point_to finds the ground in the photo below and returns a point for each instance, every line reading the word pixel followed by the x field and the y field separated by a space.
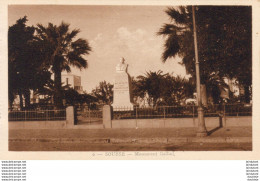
pixel 46 146
pixel 159 139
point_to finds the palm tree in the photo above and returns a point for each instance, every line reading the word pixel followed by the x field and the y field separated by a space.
pixel 163 89
pixel 179 41
pixel 151 83
pixel 61 51
pixel 178 33
pixel 221 44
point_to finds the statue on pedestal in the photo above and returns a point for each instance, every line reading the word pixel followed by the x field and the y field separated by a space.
pixel 121 67
pixel 122 88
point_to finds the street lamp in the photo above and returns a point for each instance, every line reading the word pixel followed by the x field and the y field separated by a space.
pixel 201 132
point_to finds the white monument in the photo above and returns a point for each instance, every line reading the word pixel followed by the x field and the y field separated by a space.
pixel 122 99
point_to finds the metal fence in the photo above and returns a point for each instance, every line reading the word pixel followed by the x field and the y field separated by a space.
pixel 37 115
pixel 181 111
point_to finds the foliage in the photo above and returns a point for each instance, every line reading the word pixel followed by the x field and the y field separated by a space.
pixel 176 90
pixel 162 89
pixel 33 52
pixel 73 98
pixel 224 42
pixel 151 83
pixel 60 51
pixel 103 93
pixel 24 63
pixel 68 94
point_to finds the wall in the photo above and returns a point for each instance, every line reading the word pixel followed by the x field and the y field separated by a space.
pixel 181 122
pixel 37 124
pixel 133 123
pixel 77 80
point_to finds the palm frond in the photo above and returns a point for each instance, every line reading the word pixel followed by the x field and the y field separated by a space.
pixel 171 47
pixel 77 60
pixel 71 35
pixel 177 15
pixel 67 68
pixel 80 46
pixel 168 29
pixel 63 28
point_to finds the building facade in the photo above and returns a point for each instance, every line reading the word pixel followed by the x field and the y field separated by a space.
pixel 72 81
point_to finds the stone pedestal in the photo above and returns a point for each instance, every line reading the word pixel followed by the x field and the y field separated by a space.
pixel 107 117
pixel 70 116
pixel 122 92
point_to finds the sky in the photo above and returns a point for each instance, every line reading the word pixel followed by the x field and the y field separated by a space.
pixel 112 32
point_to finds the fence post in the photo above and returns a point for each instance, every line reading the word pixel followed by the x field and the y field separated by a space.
pixel 107 116
pixel 224 115
pixel 136 113
pixel 70 116
pixel 193 117
pixel 89 116
pixel 136 116
pixel 164 112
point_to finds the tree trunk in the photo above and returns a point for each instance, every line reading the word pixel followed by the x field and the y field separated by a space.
pixel 242 93
pixel 215 92
pixel 21 100
pixel 247 94
pixel 203 92
pixel 27 98
pixel 58 91
pixel 11 98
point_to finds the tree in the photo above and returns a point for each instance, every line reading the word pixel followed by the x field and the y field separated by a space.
pixel 150 83
pixel 24 63
pixel 162 89
pixel 74 98
pixel 137 91
pixel 224 42
pixel 61 51
pixel 103 93
pixel 182 89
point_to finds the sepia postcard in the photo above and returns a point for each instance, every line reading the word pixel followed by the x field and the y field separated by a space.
pixel 132 80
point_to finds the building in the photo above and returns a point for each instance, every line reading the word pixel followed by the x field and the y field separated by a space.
pixel 72 81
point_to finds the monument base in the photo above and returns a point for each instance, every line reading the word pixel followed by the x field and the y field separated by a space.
pixel 123 107
pixel 122 93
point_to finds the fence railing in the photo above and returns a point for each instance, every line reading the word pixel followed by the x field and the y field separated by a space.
pixel 37 115
pixel 181 111
pixel 89 116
